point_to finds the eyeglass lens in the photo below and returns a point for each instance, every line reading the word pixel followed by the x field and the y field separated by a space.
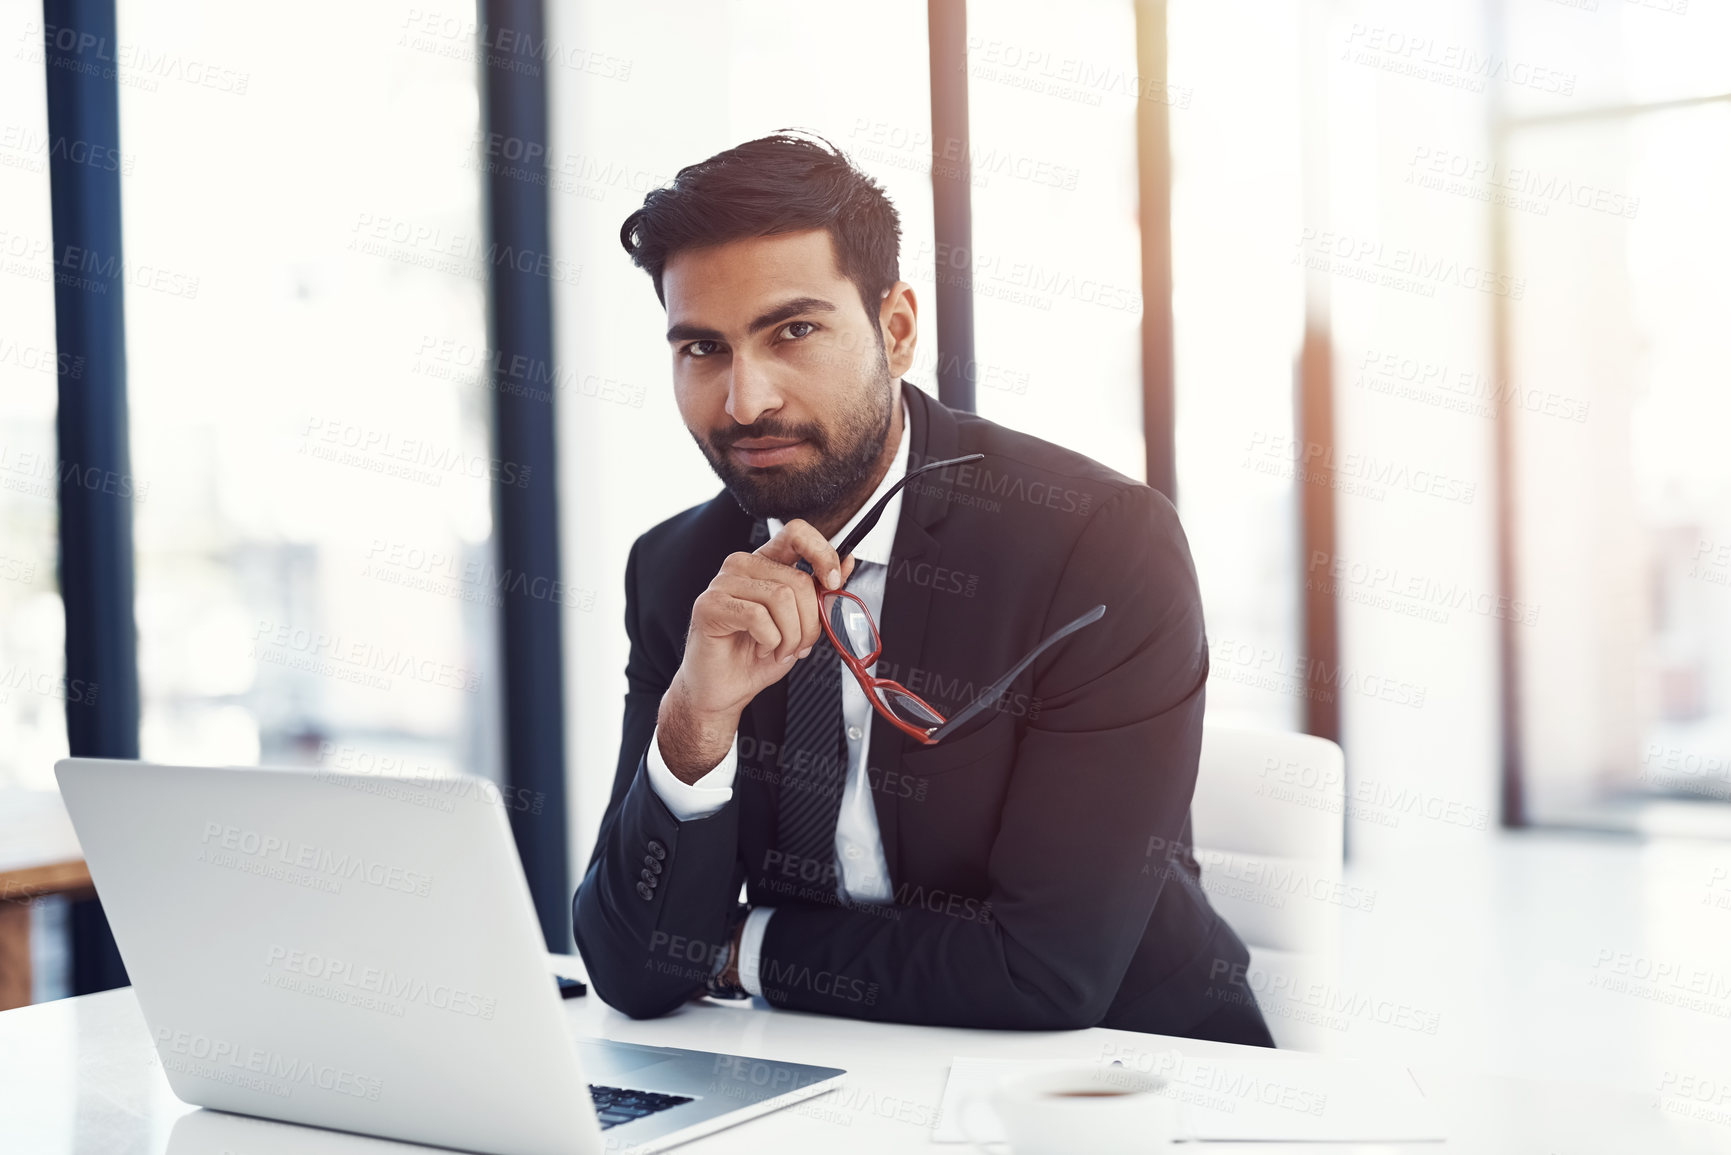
pixel 907 708
pixel 851 624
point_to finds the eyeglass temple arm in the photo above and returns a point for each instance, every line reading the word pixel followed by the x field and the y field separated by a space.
pixel 869 520
pixel 993 692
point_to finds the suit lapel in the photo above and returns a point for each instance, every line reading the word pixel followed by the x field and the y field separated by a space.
pixel 925 500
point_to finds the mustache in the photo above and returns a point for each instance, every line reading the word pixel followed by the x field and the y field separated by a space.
pixel 722 439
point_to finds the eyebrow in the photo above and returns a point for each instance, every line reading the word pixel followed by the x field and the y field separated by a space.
pixel 793 308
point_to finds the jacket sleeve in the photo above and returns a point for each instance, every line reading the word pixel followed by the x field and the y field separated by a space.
pixel 653 907
pixel 1105 774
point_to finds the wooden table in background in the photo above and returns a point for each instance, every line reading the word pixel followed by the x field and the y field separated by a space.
pixel 39 855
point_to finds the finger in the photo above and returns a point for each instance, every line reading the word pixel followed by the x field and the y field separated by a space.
pixel 760 626
pixel 809 624
pixel 810 616
pixel 778 590
pixel 800 540
pixel 756 621
pixel 725 614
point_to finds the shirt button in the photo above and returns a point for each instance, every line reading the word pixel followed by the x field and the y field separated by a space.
pixel 657 849
pixel 853 852
pixel 649 878
pixel 644 892
pixel 854 733
pixel 652 862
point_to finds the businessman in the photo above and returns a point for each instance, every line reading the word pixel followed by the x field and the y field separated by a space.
pixel 915 843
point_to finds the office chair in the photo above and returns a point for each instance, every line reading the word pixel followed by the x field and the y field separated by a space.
pixel 1268 822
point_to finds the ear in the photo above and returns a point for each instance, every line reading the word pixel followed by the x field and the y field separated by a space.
pixel 898 323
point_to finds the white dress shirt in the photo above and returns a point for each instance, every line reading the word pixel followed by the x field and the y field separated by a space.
pixel 863 875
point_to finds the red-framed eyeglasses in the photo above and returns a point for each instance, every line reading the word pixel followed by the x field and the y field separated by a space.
pixel 855 637
pixel 853 633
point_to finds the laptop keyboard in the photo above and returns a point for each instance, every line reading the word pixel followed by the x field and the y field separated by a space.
pixel 616 1105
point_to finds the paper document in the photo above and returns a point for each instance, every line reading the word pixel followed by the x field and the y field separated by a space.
pixel 1294 1098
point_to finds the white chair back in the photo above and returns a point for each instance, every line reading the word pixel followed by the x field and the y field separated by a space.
pixel 1269 826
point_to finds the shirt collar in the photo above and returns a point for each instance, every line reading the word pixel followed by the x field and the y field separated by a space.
pixel 876 545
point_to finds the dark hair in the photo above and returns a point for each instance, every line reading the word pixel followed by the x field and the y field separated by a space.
pixel 775 184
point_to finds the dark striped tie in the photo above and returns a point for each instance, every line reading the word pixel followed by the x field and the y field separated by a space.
pixel 813 767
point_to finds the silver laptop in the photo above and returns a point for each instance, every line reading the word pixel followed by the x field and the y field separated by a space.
pixel 361 953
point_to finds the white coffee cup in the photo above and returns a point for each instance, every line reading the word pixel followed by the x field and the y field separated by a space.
pixel 1099 1108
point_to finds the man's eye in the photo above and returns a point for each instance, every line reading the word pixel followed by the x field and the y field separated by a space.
pixel 808 328
pixel 699 349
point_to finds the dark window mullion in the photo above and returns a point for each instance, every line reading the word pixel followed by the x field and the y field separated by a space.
pixel 96 559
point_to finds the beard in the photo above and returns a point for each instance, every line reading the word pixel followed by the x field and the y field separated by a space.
pixel 847 451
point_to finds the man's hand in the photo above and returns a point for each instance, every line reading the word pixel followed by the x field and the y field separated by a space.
pixel 754 621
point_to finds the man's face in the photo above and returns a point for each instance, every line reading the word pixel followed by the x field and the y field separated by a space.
pixel 780 374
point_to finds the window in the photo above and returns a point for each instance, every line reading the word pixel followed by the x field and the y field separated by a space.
pixel 32 624
pixel 33 686
pixel 1057 267
pixel 1237 313
pixel 1622 518
pixel 308 374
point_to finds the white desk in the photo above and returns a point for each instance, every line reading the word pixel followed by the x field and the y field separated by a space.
pixel 81 1076
pixel 1502 943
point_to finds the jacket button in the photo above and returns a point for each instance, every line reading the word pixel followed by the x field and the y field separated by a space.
pixel 652 862
pixel 657 849
pixel 644 892
pixel 650 879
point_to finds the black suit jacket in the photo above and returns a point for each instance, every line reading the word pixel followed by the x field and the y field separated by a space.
pixel 1040 860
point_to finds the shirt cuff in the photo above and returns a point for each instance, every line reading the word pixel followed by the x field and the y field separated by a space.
pixel 688 800
pixel 751 947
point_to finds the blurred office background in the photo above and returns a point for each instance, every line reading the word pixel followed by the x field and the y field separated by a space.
pixel 1449 377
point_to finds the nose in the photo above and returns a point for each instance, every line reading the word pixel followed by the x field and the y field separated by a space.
pixel 750 392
